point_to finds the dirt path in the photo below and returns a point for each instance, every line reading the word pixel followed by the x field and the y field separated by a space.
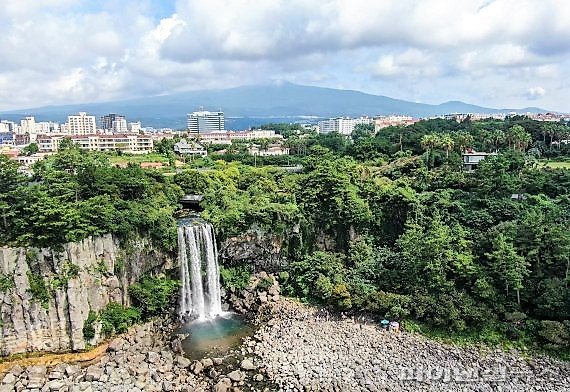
pixel 82 358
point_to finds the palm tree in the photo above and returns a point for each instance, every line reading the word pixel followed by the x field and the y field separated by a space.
pixel 498 138
pixel 446 141
pixel 463 140
pixel 429 142
pixel 515 135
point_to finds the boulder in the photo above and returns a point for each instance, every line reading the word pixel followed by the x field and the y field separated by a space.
pixel 9 378
pixel 207 363
pixel 236 376
pixel 55 385
pixel 196 367
pixel 36 376
pixel 182 362
pixel 152 357
pixel 93 373
pixel 223 385
pixel 246 364
pixel 116 345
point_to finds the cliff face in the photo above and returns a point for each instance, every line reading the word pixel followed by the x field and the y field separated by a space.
pixel 265 251
pixel 46 295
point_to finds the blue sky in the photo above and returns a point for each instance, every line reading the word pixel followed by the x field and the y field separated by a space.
pixel 502 53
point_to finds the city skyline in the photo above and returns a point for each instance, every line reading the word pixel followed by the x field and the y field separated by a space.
pixel 500 53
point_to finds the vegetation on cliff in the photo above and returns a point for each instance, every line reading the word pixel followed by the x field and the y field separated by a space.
pixel 75 194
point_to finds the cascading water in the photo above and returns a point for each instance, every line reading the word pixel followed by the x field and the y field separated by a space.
pixel 200 295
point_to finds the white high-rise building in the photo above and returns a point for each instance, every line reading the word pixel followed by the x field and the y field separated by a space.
pixel 10 126
pixel 342 125
pixel 45 127
pixel 81 124
pixel 135 127
pixel 28 126
pixel 115 123
pixel 203 121
pixel 120 126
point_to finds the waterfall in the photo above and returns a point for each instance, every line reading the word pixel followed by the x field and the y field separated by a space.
pixel 200 294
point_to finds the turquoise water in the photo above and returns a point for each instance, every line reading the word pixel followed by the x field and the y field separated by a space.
pixel 214 337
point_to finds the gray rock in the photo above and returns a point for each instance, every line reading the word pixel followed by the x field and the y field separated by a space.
pixel 152 357
pixel 236 375
pixel 9 378
pixel 93 373
pixel 246 364
pixel 71 370
pixel 17 370
pixel 207 363
pixel 36 376
pixel 223 385
pixel 182 362
pixel 55 385
pixel 167 386
pixel 196 367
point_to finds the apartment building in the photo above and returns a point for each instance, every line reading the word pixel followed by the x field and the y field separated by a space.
pixel 132 144
pixel 342 125
pixel 81 124
pixel 227 137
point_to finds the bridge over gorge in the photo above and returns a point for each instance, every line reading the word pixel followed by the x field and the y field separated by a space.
pixel 192 202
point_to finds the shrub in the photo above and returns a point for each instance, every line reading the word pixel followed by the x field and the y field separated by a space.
pixel 88 329
pixel 236 277
pixel 153 295
pixel 5 283
pixel 265 283
pixel 68 271
pixel 116 318
pixel 554 332
pixel 38 289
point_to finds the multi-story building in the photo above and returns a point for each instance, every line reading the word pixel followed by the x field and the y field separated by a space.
pixel 135 127
pixel 8 126
pixel 115 123
pixel 472 158
pixel 342 125
pixel 271 150
pixel 389 121
pixel 226 137
pixel 6 138
pixel 133 144
pixel 203 121
pixel 185 147
pixel 28 127
pixel 81 124
pixel 47 127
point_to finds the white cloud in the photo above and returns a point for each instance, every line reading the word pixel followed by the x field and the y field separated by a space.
pixel 60 51
pixel 535 92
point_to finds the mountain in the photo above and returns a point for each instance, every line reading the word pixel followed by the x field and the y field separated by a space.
pixel 256 104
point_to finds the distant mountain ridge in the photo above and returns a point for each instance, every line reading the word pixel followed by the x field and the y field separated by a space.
pixel 280 101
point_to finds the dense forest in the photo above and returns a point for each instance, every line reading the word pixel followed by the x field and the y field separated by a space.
pixel 385 223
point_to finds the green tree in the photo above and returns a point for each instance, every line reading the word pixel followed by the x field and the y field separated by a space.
pixel 446 141
pixel 508 266
pixel 429 143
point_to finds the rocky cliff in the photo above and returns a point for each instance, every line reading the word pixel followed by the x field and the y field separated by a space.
pixel 264 250
pixel 46 295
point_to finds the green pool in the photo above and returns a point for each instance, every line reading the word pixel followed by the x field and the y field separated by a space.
pixel 213 337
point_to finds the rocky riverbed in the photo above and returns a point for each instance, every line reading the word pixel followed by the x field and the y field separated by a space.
pixel 304 349
pixel 297 348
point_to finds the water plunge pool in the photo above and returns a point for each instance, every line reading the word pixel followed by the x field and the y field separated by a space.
pixel 213 337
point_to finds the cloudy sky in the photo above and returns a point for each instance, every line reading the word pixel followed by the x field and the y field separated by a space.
pixel 498 53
